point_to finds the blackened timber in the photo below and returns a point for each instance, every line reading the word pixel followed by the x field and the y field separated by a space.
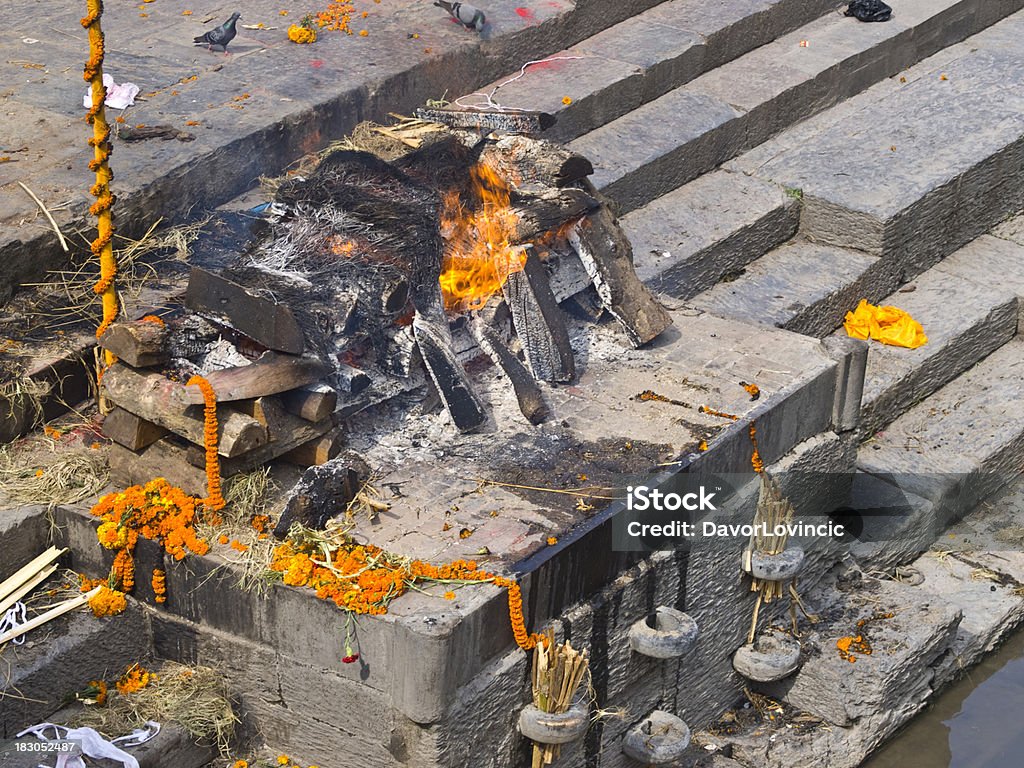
pixel 270 323
pixel 521 160
pixel 434 341
pixel 539 322
pixel 140 344
pixel 267 376
pixel 165 402
pixel 528 394
pixel 350 380
pixel 539 211
pixel 608 258
pixel 131 431
pixel 488 120
pixel 322 492
pixel 286 433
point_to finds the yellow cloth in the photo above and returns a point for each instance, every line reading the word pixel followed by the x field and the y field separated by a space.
pixel 889 325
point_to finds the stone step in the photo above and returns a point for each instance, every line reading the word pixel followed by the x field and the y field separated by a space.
pixel 961 443
pixel 688 240
pixel 963 319
pixel 801 286
pixel 62 657
pixel 913 169
pixel 645 56
pixel 744 102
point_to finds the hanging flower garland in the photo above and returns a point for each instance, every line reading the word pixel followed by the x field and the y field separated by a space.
pixel 214 499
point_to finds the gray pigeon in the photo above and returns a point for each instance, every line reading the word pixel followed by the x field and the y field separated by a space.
pixel 221 36
pixel 465 14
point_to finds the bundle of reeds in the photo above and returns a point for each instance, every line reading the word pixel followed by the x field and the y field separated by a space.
pixel 774 511
pixel 558 671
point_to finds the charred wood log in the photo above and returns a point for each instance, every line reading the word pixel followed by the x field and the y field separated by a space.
pixel 350 380
pixel 287 432
pixel 165 458
pixel 165 402
pixel 140 344
pixel 540 323
pixel 521 160
pixel 269 375
pixel 262 319
pixel 190 337
pixel 312 403
pixel 490 120
pixel 539 211
pixel 131 431
pixel 608 257
pixel 323 492
pixel 528 394
pixel 398 353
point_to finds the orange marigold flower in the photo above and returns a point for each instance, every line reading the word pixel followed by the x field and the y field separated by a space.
pixel 96 693
pixel 111 535
pixel 134 679
pixel 567 100
pixel 222 539
pixel 159 583
pixel 363 33
pixel 449 595
pixel 283 759
pixel 552 540
pixel 107 602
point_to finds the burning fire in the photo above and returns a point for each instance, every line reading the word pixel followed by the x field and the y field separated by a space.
pixel 479 255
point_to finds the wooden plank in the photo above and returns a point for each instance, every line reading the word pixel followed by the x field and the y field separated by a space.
pixel 540 323
pixel 320 450
pixel 488 120
pixel 312 403
pixel 165 459
pixel 286 432
pixel 271 324
pixel 165 402
pixel 131 431
pixel 140 344
pixel 528 394
pixel 608 258
pixel 269 375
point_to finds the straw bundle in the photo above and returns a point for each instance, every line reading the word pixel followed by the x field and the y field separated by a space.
pixel 557 673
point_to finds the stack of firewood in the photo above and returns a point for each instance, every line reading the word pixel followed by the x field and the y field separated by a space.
pixel 272 406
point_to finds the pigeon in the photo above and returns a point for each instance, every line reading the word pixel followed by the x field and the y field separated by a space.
pixel 221 36
pixel 465 14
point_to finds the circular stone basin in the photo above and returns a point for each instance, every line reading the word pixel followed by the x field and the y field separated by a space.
pixel 781 567
pixel 554 728
pixel 772 656
pixel 659 738
pixel 667 634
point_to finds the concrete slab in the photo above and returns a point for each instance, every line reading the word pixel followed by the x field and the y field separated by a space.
pixel 995 259
pixel 806 287
pixel 768 89
pixel 963 442
pixel 964 320
pixel 921 170
pixel 688 240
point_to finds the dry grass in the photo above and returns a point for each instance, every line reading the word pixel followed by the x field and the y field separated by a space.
pixel 42 471
pixel 21 397
pixel 197 698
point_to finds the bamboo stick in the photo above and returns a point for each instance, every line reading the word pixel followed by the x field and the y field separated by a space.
pixel 23 590
pixel 26 572
pixel 58 610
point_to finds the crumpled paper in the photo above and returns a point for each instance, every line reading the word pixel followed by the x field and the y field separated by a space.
pixel 118 96
pixel 889 325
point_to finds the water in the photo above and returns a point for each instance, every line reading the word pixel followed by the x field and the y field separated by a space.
pixel 976 723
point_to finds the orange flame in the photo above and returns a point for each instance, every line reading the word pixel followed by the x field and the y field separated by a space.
pixel 479 255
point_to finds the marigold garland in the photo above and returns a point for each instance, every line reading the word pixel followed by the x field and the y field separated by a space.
pixel 102 246
pixel 214 499
pixel 159 583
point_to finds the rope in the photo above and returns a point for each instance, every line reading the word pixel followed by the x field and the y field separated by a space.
pixel 490 103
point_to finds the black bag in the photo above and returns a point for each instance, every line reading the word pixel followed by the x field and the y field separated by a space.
pixel 869 10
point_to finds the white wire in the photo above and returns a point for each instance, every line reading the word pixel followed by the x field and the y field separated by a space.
pixel 490 103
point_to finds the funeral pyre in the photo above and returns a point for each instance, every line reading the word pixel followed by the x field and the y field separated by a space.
pixel 377 273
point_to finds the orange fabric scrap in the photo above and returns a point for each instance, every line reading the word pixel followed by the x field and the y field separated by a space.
pixel 889 325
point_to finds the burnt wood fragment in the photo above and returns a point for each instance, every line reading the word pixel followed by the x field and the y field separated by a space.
pixel 167 403
pixel 269 322
pixel 269 375
pixel 608 258
pixel 528 394
pixel 140 344
pixel 323 492
pixel 488 120
pixel 131 431
pixel 539 322
pixel 540 211
pixel 521 160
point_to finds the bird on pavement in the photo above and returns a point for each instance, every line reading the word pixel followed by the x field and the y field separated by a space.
pixel 221 36
pixel 464 13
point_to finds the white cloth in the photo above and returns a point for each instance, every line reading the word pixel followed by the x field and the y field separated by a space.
pixel 13 619
pixel 118 96
pixel 93 745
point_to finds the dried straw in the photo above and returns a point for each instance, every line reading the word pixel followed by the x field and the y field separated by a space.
pixel 65 475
